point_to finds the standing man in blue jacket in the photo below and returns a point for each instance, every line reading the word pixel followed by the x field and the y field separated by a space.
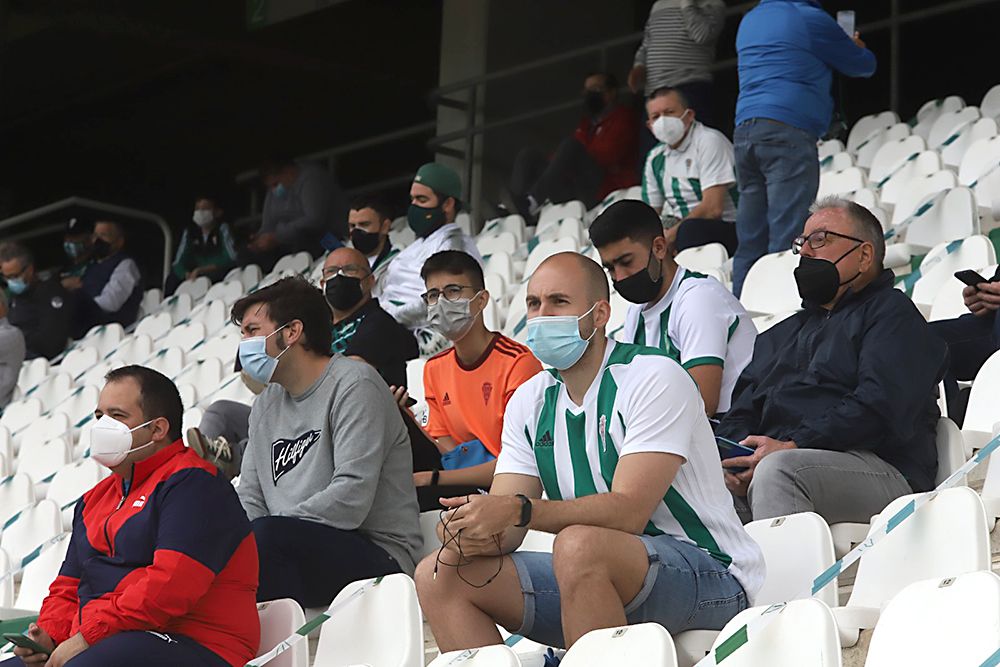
pixel 787 51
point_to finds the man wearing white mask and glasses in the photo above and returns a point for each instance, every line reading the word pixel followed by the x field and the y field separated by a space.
pixel 161 567
pixel 466 386
pixel 326 474
pixel 617 438
pixel 689 177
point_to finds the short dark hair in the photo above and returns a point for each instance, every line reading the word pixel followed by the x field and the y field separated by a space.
pixel 455 263
pixel 13 250
pixel 627 218
pixel 375 203
pixel 273 164
pixel 610 80
pixel 293 298
pixel 158 395
pixel 666 90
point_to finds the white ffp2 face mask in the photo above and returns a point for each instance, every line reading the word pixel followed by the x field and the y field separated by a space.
pixel 670 129
pixel 111 441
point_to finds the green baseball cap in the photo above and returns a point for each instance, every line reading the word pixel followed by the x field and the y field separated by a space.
pixel 441 179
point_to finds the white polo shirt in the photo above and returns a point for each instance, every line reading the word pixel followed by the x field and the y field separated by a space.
pixel 674 178
pixel 640 401
pixel 697 322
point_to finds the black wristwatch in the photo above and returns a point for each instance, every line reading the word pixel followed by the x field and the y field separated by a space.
pixel 525 511
pixel 435 476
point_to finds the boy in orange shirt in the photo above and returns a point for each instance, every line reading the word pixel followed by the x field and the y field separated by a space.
pixel 467 386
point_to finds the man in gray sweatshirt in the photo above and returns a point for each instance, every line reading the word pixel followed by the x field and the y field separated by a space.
pixel 11 354
pixel 327 477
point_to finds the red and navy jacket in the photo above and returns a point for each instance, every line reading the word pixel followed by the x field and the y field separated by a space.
pixel 171 552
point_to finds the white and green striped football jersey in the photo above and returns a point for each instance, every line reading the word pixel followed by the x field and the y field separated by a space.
pixel 697 322
pixel 640 401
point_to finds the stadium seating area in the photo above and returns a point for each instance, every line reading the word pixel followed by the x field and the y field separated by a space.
pixel 933 182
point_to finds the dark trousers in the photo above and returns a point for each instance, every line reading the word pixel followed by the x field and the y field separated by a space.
pixel 971 341
pixel 148 649
pixel 427 457
pixel 695 232
pixel 570 174
pixel 311 562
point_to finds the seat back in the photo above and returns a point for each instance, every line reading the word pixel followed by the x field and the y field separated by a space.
pixel 981 413
pixel 195 288
pixel 40 459
pixel 17 492
pixel 7 584
pixel 979 171
pixel 103 338
pixel 298 262
pixel 79 360
pixel 204 374
pixel 957 621
pixel 227 292
pixel 497 655
pixel 954 152
pixel 803 633
pixel 947 126
pixel 79 406
pixel 950 449
pixel 278 620
pixel 515 325
pixel 501 242
pixel 183 336
pixel 19 414
pixel 932 110
pixel 570 209
pixel 939 266
pixel 840 183
pixel 894 188
pixel 501 264
pixel 946 537
pixel 619 309
pixel 707 257
pixel 770 286
pixel 948 302
pixel 52 390
pixel 955 217
pixel 39 574
pixel 868 128
pixel 990 106
pixel 55 425
pixel 155 325
pixel 415 378
pixel 132 350
pixel 223 346
pixel 211 313
pixel 796 548
pixel 641 645
pixel 382 628
pixel 32 373
pixel 867 152
pixel 32 527
pixel 71 482
pixel 892 155
pixel 168 360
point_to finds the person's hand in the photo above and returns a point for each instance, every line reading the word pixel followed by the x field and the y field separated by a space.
pixel 423 478
pixel 72 283
pixel 481 517
pixel 264 242
pixel 28 656
pixel 856 38
pixel 192 274
pixel 987 299
pixel 400 395
pixel 68 650
pixel 763 446
pixel 637 78
pixel 738 483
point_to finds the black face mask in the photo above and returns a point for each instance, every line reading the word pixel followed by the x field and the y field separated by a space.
pixel 343 292
pixel 101 248
pixel 640 287
pixel 818 279
pixel 593 102
pixel 364 242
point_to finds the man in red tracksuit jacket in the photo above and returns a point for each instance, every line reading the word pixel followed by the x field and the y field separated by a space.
pixel 161 569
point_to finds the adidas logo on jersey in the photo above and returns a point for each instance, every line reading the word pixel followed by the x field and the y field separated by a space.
pixel 286 454
pixel 446 400
pixel 545 440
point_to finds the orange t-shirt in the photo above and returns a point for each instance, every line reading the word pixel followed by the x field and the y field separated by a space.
pixel 468 402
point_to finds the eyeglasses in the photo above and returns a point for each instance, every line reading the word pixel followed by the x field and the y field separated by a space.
pixel 450 293
pixel 818 239
pixel 349 270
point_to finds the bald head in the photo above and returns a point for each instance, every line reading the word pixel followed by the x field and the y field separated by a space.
pixel 345 256
pixel 349 263
pixel 579 271
pixel 567 283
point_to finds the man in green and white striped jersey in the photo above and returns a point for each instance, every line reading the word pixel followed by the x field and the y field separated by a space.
pixel 690 316
pixel 616 437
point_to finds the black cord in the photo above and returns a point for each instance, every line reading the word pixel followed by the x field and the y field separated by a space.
pixel 456 538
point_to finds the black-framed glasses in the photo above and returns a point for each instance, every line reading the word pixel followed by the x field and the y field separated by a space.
pixel 349 270
pixel 449 292
pixel 818 239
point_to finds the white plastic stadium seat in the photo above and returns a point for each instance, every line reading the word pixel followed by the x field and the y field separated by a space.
pixel 932 110
pixel 133 350
pixel 251 276
pixel 556 212
pixel 954 217
pixel 497 655
pixel 415 378
pixel 151 300
pixel 296 263
pixel 7 584
pixel 204 374
pixel 212 314
pixel 6 452
pixel 79 406
pixel 802 634
pixel 32 373
pixel 54 425
pixel 840 183
pixel 796 548
pixel 155 326
pixel 278 620
pixel 943 621
pixel 955 151
pixel 868 128
pixel 78 360
pixel 33 526
pixel 16 493
pixel 707 257
pixel 948 125
pixel 939 266
pixel 71 482
pixel 183 336
pixel 194 288
pixel 178 307
pixel 770 286
pixel 920 190
pixel 838 162
pixel 382 628
pixel 950 449
pixel 641 645
pixel 39 574
pixel 980 170
pixel 501 264
pixel 52 390
pixel 41 460
pixel 502 242
pixel 892 156
pixel 949 303
pixel 990 106
pixel 223 347
pixel 228 291
pixel 981 413
pixel 944 538
pixel 515 326
pixel 169 360
pixel 895 188
pixel 19 414
pixel 827 149
pixel 428 528
pixel 867 152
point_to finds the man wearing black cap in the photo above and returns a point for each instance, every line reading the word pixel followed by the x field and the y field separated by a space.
pixel 39 308
pixel 435 200
pixel 78 244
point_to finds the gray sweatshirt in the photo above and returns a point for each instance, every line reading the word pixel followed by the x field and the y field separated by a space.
pixel 11 358
pixel 339 455
pixel 313 206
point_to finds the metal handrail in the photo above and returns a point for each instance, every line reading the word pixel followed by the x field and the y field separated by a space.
pixel 104 207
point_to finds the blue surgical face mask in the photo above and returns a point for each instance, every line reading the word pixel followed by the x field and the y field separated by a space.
pixel 16 285
pixel 280 190
pixel 555 339
pixel 256 362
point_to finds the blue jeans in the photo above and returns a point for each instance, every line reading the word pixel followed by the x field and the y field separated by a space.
pixel 684 589
pixel 777 169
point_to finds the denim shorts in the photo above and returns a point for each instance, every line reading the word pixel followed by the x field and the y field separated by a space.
pixel 684 589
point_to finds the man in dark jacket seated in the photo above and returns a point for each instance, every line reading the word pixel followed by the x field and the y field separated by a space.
pixel 839 399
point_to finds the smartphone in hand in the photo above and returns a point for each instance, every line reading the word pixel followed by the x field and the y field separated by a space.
pixel 970 277
pixel 24 641
pixel 845 19
pixel 729 449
